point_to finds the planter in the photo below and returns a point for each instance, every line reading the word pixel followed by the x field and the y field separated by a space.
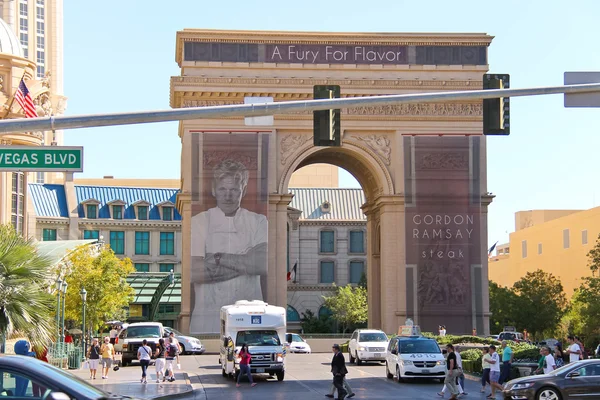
pixel 522 369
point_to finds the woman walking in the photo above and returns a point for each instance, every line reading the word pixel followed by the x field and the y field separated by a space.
pixel 245 365
pixel 108 356
pixel 93 355
pixel 170 356
pixel 160 360
pixel 144 355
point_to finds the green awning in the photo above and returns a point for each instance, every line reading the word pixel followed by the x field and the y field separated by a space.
pixel 146 283
pixel 56 250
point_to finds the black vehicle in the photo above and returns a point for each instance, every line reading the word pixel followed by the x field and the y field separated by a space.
pixel 572 381
pixel 26 377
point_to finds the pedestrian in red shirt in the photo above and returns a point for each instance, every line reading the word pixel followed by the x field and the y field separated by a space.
pixel 245 356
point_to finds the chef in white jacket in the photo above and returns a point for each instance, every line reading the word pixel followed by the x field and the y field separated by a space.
pixel 229 250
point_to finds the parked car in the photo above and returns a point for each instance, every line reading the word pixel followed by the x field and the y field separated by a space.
pixel 297 344
pixel 189 345
pixel 132 337
pixel 514 336
pixel 572 381
pixel 367 345
pixel 55 383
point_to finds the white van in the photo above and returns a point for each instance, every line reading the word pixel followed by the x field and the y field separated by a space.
pixel 414 357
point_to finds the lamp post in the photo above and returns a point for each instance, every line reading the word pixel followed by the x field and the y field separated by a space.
pixel 62 322
pixel 83 294
pixel 58 289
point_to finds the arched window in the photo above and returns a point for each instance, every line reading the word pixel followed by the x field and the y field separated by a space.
pixel 292 314
pixel 325 312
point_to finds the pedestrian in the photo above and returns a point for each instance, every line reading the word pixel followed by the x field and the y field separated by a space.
pixel 41 353
pixel 108 356
pixel 346 387
pixel 452 372
pixel 93 355
pixel 494 362
pixel 460 380
pixel 574 351
pixel 442 330
pixel 176 343
pixel 540 368
pixel 170 356
pixel 507 359
pixel 144 354
pixel 245 357
pixel 584 354
pixel 160 359
pixel 559 357
pixel 113 334
pixel 68 337
pixel 485 367
pixel 339 371
pixel 549 363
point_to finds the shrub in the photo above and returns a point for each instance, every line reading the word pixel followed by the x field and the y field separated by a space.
pixel 471 355
pixel 455 339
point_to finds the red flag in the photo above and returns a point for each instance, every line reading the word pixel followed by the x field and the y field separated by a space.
pixel 24 99
pixel 291 275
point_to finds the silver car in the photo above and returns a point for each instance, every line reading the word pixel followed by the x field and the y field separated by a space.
pixel 189 345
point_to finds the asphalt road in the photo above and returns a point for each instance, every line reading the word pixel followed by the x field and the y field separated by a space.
pixel 308 377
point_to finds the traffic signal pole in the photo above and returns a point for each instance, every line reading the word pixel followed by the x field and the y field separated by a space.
pixel 256 110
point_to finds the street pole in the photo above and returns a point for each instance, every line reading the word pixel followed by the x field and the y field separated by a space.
pixel 83 294
pixel 62 323
pixel 58 285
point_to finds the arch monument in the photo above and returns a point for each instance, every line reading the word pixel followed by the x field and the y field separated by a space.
pixel 422 168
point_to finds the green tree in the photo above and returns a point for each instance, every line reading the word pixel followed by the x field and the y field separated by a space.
pixel 316 324
pixel 26 306
pixel 502 303
pixel 540 304
pixel 103 275
pixel 594 257
pixel 349 305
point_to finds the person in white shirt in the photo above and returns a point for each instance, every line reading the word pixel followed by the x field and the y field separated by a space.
pixel 494 362
pixel 574 351
pixel 229 250
pixel 460 381
pixel 113 335
pixel 144 354
pixel 549 364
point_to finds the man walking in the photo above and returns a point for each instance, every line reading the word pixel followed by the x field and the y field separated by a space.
pixel 339 371
pixel 494 362
pixel 507 359
pixel 453 372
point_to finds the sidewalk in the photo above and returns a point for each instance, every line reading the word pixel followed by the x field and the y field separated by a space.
pixel 126 381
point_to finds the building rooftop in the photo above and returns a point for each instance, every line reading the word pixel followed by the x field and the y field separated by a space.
pixel 344 204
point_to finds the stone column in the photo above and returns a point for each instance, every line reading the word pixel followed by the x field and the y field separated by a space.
pixel 277 269
pixel 184 205
pixel 373 268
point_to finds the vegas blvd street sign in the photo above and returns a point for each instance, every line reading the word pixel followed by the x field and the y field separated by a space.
pixel 41 159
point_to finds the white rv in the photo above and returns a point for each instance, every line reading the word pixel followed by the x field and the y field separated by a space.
pixel 262 328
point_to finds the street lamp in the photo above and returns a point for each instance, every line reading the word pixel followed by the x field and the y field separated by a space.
pixel 58 289
pixel 62 322
pixel 83 294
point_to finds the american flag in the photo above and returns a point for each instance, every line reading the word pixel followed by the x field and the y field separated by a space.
pixel 24 99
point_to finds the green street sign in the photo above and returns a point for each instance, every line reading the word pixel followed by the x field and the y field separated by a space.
pixel 41 159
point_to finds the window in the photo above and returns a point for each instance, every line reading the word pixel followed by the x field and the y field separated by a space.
pixel 327 242
pixel 356 271
pixel 91 234
pixel 357 243
pixel 39 177
pixel 292 314
pixel 18 201
pixel 166 308
pixel 40 27
pixel 142 243
pixel 48 235
pixel 117 212
pixel 566 243
pixel 327 272
pixel 21 386
pixel 524 248
pixel 117 242
pixel 167 243
pixel 142 267
pixel 143 213
pixel 539 248
pixel 24 27
pixel 166 267
pixel 584 237
pixel 325 312
pixel 167 213
pixel 91 211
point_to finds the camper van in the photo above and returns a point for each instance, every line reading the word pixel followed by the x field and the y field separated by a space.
pixel 262 328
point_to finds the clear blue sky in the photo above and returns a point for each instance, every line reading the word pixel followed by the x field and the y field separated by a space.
pixel 119 56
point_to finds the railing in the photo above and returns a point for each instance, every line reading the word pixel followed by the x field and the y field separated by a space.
pixel 65 355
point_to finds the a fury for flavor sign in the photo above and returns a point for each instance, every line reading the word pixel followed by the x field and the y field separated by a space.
pixel 334 54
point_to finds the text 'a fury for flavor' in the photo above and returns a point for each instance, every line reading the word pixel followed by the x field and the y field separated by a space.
pixel 32 158
pixel 337 54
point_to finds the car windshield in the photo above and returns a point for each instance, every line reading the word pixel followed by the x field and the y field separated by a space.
pixel 372 337
pixel 419 346
pixel 297 338
pixel 143 332
pixel 508 336
pixel 258 338
pixel 175 331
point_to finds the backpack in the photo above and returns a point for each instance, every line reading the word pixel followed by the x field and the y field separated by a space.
pixel 172 351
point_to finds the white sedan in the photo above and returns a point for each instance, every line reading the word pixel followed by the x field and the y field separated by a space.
pixel 297 344
pixel 189 345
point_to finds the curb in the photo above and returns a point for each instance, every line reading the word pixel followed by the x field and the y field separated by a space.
pixel 180 394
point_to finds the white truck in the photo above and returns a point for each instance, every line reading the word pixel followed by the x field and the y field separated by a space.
pixel 262 328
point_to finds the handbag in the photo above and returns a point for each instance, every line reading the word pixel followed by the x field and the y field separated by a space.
pixel 86 365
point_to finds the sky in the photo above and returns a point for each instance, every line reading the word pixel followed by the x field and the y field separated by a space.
pixel 119 56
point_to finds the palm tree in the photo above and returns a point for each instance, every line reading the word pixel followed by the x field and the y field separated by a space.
pixel 25 305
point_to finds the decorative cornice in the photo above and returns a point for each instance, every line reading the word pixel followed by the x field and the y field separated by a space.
pixel 51 221
pixel 130 223
pixel 296 287
pixel 332 222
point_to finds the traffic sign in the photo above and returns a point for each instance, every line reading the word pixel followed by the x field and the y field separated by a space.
pixel 591 99
pixel 41 159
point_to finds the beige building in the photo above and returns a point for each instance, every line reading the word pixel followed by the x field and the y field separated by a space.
pixel 381 146
pixel 556 241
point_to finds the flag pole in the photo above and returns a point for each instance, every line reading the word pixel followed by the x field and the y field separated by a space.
pixel 12 101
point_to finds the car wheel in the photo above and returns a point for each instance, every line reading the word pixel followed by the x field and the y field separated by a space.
pixel 350 355
pixel 182 349
pixel 280 376
pixel 358 360
pixel 125 362
pixel 387 372
pixel 398 374
pixel 223 373
pixel 548 393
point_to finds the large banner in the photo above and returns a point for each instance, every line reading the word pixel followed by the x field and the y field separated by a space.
pixel 229 224
pixel 443 230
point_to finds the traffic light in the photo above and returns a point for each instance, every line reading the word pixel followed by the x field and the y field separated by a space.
pixel 496 112
pixel 327 127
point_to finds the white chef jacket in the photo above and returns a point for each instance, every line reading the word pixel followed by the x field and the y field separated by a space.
pixel 213 232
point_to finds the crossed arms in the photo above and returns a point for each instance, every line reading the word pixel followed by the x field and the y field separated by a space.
pixel 219 267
